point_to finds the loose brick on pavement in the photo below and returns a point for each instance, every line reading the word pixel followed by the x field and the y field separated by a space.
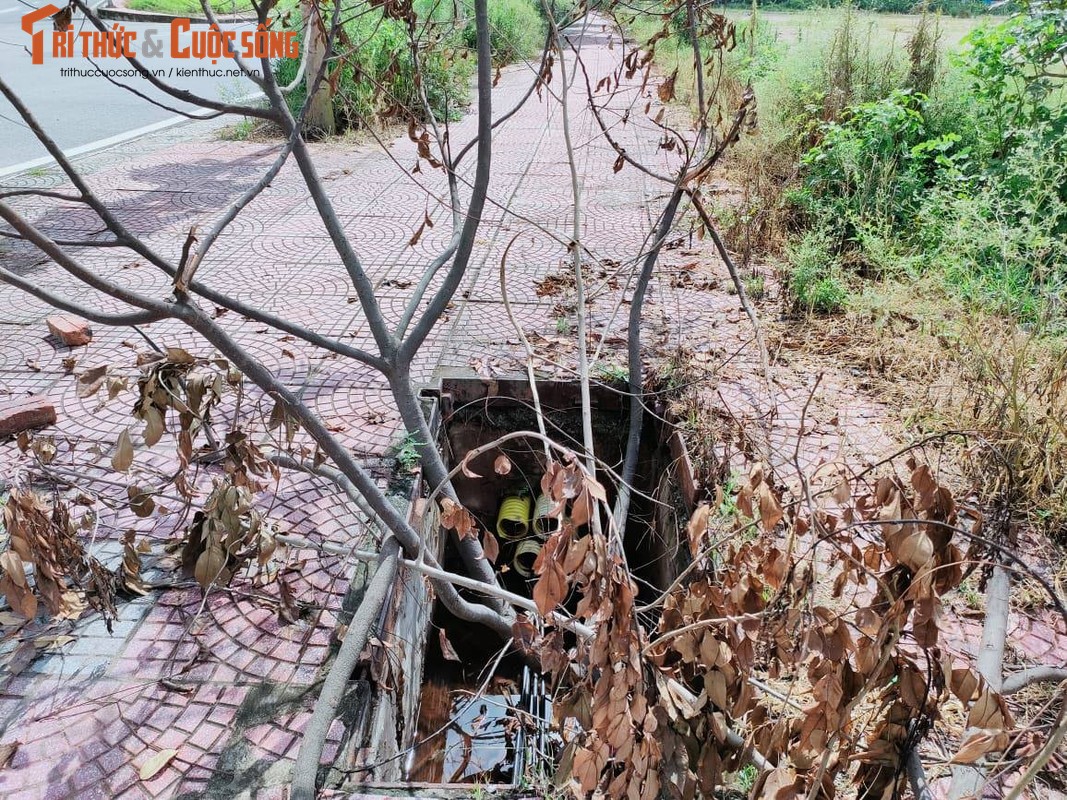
pixel 72 331
pixel 18 414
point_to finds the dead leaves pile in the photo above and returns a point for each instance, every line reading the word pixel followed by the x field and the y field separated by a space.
pixel 866 672
pixel 617 747
pixel 228 533
pixel 43 535
pixel 190 386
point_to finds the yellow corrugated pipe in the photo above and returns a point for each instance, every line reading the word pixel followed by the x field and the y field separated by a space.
pixel 513 521
pixel 525 556
pixel 544 522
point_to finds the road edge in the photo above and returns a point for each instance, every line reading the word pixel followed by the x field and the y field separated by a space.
pixel 120 138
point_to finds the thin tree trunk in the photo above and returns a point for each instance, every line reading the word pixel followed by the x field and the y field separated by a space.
pixel 967 779
pixel 636 378
pixel 319 116
pixel 306 768
pixel 698 67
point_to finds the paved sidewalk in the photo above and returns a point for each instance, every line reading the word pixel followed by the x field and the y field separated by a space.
pixel 90 712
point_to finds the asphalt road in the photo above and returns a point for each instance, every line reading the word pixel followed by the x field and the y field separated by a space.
pixel 78 110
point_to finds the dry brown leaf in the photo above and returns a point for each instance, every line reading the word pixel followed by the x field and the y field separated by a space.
pixel 7 752
pixel 490 546
pixel 179 355
pixel 21 598
pixel 588 764
pixel 550 588
pixel 502 465
pixel 21 658
pixel 122 458
pixel 154 426
pixel 780 784
pixel 466 470
pixel 456 518
pixel 62 19
pixel 152 766
pixel 665 91
pixel 581 509
pixel 698 527
pixel 978 743
pixel 447 650
pixel 989 711
pixel 14 568
pixel 141 502
pixel 209 565
pixel 913 549
pixel 90 381
pixel 769 508
pixel 964 684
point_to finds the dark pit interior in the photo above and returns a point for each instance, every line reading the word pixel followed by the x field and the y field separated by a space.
pixel 468 729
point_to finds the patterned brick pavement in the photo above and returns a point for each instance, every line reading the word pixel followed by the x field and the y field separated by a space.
pixel 89 712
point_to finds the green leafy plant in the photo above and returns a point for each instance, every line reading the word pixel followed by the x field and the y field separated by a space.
pixel 517 29
pixel 815 277
pixel 612 373
pixel 375 79
pixel 755 286
pixel 406 453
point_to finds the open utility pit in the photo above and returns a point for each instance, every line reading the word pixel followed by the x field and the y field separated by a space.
pixel 465 712
pixel 475 413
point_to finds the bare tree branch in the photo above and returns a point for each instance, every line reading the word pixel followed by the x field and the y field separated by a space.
pixel 1018 681
pixel 179 94
pixel 57 254
pixel 306 768
pixel 64 304
pixel 473 217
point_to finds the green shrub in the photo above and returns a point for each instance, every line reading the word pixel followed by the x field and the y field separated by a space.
pixel 376 77
pixel 969 183
pixel 870 167
pixel 516 29
pixel 376 68
pixel 1002 243
pixel 815 277
pixel 956 8
pixel 758 51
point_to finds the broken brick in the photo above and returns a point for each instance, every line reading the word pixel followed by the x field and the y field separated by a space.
pixel 24 413
pixel 74 331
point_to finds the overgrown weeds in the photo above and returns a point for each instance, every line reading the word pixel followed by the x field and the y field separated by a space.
pixel 517 29
pixel 374 79
pixel 1004 388
pixel 918 191
pixel 902 166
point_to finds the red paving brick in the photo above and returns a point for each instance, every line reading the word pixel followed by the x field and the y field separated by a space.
pixel 18 414
pixel 72 331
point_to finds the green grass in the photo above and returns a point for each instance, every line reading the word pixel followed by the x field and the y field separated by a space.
pixel 240 131
pixel 406 453
pixel 755 287
pixel 890 176
pixel 815 276
pixel 192 8
pixel 815 28
pixel 873 159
